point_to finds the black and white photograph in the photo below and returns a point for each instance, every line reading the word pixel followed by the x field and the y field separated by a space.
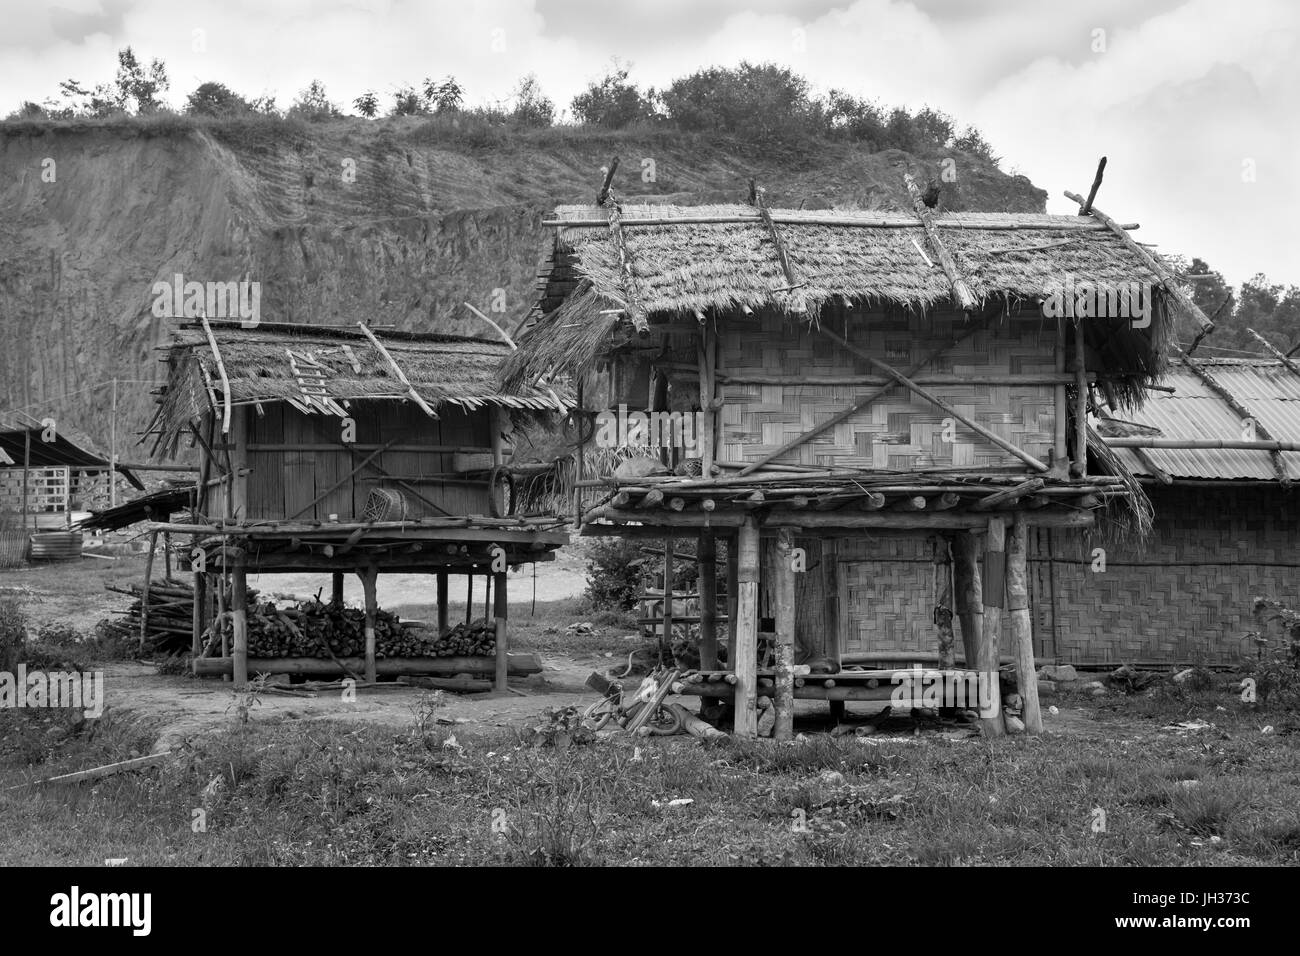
pixel 711 434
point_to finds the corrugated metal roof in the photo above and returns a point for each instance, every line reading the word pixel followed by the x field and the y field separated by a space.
pixel 1194 410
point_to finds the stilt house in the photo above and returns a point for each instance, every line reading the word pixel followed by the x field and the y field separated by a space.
pixel 345 451
pixel 888 406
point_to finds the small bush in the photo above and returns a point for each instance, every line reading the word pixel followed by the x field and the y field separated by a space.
pixel 13 635
pixel 616 573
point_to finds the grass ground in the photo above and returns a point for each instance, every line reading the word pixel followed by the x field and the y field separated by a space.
pixel 1123 791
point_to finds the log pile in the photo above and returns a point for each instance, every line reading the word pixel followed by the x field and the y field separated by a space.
pixel 171 616
pixel 328 630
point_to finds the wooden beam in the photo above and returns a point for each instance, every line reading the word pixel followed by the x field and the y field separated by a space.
pixel 1022 628
pixel 632 305
pixel 744 647
pixel 782 256
pixel 397 370
pixel 1096 184
pixel 1276 352
pixel 784 600
pixel 707 556
pixel 1169 280
pixel 859 222
pixel 1060 448
pixel 500 615
pixel 221 370
pixel 368 577
pixel 968 586
pixel 961 293
pixel 937 402
pixel 1202 443
pixel 443 612
pixel 239 620
pixel 986 662
pixel 1008 496
pixel 943 604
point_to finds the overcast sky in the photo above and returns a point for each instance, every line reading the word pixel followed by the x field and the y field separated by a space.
pixel 1193 101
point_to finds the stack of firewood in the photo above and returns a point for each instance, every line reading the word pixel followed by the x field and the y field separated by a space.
pixel 171 616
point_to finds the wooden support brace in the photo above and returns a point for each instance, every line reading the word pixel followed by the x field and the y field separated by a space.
pixel 1022 624
pixel 961 293
pixel 744 649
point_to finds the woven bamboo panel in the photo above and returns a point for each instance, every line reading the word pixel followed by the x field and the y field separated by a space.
pixel 1188 594
pixel 887 593
pixel 898 430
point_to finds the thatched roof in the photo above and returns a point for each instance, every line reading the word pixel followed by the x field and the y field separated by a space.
pixel 450 369
pixel 869 257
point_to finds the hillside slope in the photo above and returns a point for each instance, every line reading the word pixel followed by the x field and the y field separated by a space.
pixel 429 223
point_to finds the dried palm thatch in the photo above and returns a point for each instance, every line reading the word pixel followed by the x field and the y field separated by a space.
pixel 730 262
pixel 338 365
pixel 1127 517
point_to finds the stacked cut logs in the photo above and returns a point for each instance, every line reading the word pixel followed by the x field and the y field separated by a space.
pixel 171 616
pixel 316 629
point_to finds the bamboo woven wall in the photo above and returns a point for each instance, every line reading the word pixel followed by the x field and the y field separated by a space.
pixel 899 430
pixel 1187 595
pixel 887 592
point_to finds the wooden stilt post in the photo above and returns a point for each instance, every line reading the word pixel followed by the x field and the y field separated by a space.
pixel 666 638
pixel 469 597
pixel 336 588
pixel 1022 624
pixel 442 602
pixel 785 625
pixel 369 576
pixel 167 556
pixel 1079 469
pixel 200 612
pixel 943 605
pixel 706 551
pixel 500 611
pixel 744 647
pixel 239 617
pixel 733 591
pixel 994 598
pixel 144 593
pixel 970 601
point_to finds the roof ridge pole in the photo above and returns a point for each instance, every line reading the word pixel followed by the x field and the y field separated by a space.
pixel 1276 352
pixel 757 194
pixel 221 369
pixel 961 292
pixel 401 376
pixel 1279 466
pixel 1167 278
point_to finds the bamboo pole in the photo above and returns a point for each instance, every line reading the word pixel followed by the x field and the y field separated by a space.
pixel 666 637
pixel 848 221
pixel 1277 353
pixel 239 618
pixel 744 649
pixel 707 556
pixel 991 631
pixel 1206 443
pixel 221 370
pixel 961 294
pixel 1022 623
pixel 784 588
pixel 943 605
pixel 939 403
pixel 1168 278
pixel 397 370
pixel 199 612
pixel 368 577
pixel 1060 446
pixel 500 614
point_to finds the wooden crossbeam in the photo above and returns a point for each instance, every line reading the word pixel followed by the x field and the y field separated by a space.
pixel 397 370
pixel 939 403
pixel 221 370
pixel 1275 352
pixel 846 221
pixel 961 292
pixel 860 403
pixel 1008 496
pixel 782 255
pixel 1166 277
pixel 1279 466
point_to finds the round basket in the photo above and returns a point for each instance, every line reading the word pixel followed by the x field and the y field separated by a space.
pixel 13 548
pixel 56 545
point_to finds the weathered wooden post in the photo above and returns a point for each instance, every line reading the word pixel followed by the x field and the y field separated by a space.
pixel 995 585
pixel 943 605
pixel 369 576
pixel 970 601
pixel 239 619
pixel 336 588
pixel 744 649
pixel 707 551
pixel 442 603
pixel 199 612
pixel 785 625
pixel 1022 623
pixel 500 611
pixel 144 593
